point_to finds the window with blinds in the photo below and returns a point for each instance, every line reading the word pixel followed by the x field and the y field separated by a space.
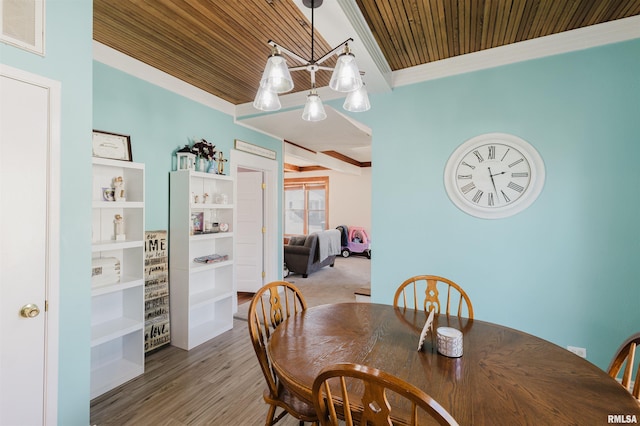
pixel 306 205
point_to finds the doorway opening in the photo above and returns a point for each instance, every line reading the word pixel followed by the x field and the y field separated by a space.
pixel 255 221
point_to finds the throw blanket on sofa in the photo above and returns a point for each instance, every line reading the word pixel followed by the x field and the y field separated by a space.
pixel 328 244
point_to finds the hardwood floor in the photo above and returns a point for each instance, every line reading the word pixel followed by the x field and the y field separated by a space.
pixel 244 297
pixel 220 381
pixel 217 383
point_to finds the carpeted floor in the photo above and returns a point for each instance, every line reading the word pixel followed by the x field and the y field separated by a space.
pixel 329 285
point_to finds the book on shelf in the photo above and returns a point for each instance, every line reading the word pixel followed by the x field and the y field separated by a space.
pixel 211 258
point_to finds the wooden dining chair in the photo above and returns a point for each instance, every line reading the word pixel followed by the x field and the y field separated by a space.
pixel 272 304
pixel 625 355
pixel 424 292
pixel 335 398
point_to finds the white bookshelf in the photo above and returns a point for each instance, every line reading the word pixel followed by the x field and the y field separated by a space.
pixel 201 295
pixel 117 308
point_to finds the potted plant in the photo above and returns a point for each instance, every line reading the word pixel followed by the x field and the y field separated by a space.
pixel 205 152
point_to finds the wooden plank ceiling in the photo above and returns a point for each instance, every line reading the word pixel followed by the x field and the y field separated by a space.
pixel 218 46
pixel 221 46
pixel 414 32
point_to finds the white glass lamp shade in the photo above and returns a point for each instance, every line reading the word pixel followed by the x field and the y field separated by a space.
pixel 313 109
pixel 346 75
pixel 276 75
pixel 358 100
pixel 266 100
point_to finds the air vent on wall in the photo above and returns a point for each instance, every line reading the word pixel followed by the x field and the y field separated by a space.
pixel 22 24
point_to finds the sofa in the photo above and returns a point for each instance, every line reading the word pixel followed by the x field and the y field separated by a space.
pixel 302 254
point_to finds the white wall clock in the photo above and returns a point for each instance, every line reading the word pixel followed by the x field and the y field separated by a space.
pixel 494 175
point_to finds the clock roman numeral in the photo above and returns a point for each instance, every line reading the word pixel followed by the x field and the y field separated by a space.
pixel 515 187
pixel 468 187
pixel 516 162
pixel 520 175
pixel 464 176
pixel 490 199
pixel 478 156
pixel 492 152
pixel 506 198
pixel 478 196
pixel 505 154
pixel 464 163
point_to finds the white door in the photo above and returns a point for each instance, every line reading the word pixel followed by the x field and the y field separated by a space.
pixel 25 260
pixel 249 231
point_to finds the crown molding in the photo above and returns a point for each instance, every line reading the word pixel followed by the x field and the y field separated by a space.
pixel 555 44
pixel 118 60
pixel 352 11
pixel 579 39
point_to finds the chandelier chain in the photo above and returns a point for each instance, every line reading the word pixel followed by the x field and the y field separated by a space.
pixel 312 32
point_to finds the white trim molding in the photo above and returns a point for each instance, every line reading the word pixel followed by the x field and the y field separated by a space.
pixel 272 236
pixel 569 41
pixel 351 9
pixel 136 68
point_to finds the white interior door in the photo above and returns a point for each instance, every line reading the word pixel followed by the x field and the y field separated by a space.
pixel 25 258
pixel 249 231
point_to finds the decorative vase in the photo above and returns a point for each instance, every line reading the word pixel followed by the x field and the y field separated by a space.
pixel 212 167
pixel 201 165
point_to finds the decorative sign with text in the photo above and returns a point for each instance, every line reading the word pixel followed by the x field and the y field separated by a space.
pixel 156 290
pixel 255 149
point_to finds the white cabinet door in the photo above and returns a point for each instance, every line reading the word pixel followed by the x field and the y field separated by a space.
pixel 249 236
pixel 24 260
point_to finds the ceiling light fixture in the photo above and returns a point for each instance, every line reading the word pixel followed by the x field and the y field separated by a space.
pixel 346 78
pixel 313 109
pixel 357 101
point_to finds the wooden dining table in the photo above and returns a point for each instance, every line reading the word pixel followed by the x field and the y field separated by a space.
pixel 504 377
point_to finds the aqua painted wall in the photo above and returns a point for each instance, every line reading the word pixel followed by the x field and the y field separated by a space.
pixel 565 269
pixel 160 122
pixel 68 59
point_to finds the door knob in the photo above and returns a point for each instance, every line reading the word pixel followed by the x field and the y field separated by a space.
pixel 30 311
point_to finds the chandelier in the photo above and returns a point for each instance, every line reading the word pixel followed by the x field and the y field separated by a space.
pixel 346 77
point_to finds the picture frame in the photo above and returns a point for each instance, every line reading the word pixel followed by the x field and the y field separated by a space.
pixel 113 146
pixel 197 223
pixel 108 194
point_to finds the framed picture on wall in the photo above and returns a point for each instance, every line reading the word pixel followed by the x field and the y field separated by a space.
pixel 111 145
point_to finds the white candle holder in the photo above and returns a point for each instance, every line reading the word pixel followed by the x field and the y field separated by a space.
pixel 449 342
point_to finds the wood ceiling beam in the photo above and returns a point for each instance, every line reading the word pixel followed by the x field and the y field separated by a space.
pixel 341 157
pixel 319 159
